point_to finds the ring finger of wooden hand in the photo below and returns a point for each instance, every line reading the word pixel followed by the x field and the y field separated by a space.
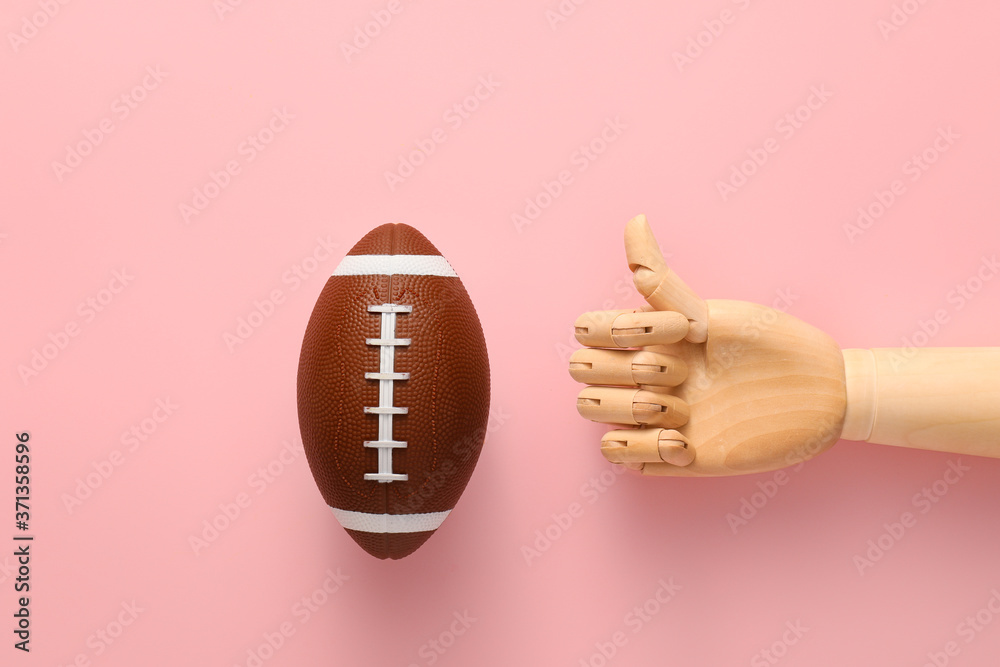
pixel 632 407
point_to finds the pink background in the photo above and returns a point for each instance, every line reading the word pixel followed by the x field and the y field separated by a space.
pixel 681 130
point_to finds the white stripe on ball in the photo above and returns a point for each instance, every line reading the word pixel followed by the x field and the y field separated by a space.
pixel 388 265
pixel 389 523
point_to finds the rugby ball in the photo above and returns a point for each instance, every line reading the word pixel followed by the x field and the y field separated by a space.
pixel 393 391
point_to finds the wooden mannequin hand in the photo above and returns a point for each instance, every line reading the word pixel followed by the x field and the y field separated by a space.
pixel 708 387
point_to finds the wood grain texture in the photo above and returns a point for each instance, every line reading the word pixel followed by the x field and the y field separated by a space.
pixel 766 390
pixel 942 399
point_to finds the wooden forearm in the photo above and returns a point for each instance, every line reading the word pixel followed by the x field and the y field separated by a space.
pixel 943 399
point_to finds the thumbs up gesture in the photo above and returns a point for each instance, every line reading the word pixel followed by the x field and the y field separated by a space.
pixel 702 388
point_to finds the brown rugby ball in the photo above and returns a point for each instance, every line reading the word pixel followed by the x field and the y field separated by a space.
pixel 393 390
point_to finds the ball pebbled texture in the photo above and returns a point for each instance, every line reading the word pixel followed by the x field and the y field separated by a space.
pixel 445 394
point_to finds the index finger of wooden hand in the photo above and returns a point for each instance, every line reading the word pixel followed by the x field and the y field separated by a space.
pixel 627 328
